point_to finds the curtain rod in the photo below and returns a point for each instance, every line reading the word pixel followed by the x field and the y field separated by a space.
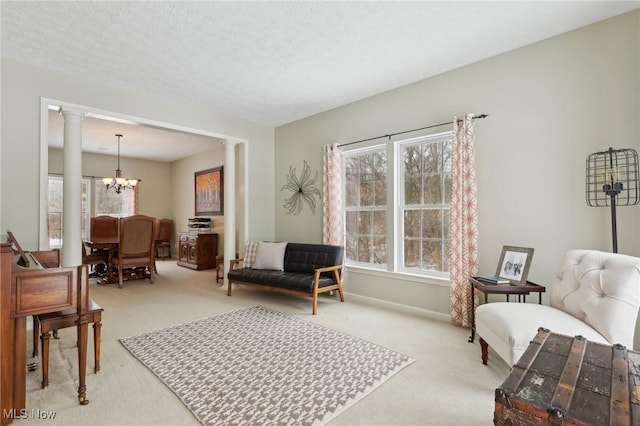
pixel 408 131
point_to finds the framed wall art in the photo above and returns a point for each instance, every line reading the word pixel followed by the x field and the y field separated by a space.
pixel 209 192
pixel 514 264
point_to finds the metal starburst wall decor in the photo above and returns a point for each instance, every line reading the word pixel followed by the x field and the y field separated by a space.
pixel 303 190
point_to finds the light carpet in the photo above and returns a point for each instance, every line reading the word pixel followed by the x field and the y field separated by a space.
pixel 260 366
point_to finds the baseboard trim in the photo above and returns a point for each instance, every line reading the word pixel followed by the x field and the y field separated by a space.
pixel 397 307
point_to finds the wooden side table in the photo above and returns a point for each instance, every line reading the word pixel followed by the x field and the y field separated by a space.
pixel 220 266
pixel 488 287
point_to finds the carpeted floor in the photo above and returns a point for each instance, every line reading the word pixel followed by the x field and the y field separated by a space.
pixel 260 366
pixel 446 385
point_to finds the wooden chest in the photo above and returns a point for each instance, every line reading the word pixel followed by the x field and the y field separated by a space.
pixel 563 380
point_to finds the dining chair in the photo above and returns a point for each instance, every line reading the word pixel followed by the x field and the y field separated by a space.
pixel 98 260
pixel 104 227
pixel 136 248
pixel 164 231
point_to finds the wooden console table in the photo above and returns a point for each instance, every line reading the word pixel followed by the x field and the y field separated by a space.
pixel 488 287
pixel 197 251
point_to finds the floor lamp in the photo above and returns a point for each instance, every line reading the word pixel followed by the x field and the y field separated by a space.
pixel 613 180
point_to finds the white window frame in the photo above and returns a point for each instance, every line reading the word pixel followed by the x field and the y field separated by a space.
pixel 395 205
pixel 359 153
pixel 90 183
pixel 131 210
pixel 86 220
pixel 401 206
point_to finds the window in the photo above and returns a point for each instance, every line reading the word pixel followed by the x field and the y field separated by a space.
pixel 104 203
pixel 423 205
pixel 365 177
pixel 55 211
pixel 422 186
pixel 112 204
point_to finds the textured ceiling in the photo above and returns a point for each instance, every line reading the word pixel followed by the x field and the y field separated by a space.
pixel 276 62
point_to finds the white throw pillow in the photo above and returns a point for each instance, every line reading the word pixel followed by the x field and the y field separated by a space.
pixel 270 256
pixel 250 253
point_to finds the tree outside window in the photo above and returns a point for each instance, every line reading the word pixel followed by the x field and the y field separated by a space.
pixel 55 203
pixel 96 201
pixel 110 203
pixel 423 192
pixel 424 205
pixel 365 177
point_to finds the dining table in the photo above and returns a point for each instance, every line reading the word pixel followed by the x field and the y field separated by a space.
pixel 104 243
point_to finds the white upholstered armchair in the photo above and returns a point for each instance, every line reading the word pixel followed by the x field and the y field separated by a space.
pixel 596 295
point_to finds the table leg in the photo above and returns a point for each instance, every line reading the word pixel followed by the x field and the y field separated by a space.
pixel 473 313
pixel 111 272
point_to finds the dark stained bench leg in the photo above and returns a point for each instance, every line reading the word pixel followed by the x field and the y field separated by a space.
pixel 97 328
pixel 36 335
pixel 484 346
pixel 45 359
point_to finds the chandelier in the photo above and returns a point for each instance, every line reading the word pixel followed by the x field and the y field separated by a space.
pixel 118 183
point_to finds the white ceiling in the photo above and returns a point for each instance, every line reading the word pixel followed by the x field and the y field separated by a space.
pixel 274 62
pixel 138 141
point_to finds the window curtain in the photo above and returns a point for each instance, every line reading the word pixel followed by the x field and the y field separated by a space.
pixel 332 228
pixel 135 200
pixel 463 221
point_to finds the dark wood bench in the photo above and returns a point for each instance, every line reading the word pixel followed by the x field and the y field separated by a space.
pixel 44 324
pixel 309 270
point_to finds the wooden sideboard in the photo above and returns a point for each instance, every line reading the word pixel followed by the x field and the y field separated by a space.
pixel 197 251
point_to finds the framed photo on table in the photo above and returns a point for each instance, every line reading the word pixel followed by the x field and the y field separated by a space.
pixel 514 264
pixel 209 192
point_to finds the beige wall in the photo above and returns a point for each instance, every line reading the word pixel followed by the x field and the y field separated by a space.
pixel 183 189
pixel 550 105
pixel 166 189
pixel 23 87
pixel 155 196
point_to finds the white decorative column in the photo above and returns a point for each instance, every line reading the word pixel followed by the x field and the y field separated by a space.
pixel 72 188
pixel 229 205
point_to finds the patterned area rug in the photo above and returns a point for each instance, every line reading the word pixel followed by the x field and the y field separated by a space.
pixel 259 366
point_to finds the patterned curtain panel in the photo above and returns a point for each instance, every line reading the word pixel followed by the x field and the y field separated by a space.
pixel 332 229
pixel 463 223
pixel 135 200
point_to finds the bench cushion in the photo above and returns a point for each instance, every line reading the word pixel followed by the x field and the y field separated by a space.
pixel 306 258
pixel 250 253
pixel 289 280
pixel 270 256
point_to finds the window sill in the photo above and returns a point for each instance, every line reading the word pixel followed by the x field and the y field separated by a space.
pixel 403 276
